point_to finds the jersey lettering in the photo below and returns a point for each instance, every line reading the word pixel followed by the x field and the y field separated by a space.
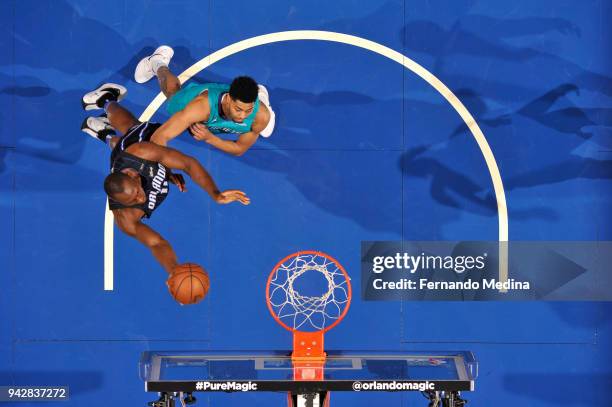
pixel 159 184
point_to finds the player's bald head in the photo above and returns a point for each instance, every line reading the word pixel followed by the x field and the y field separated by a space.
pixel 115 183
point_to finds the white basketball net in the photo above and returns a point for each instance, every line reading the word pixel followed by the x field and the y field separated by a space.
pixel 302 312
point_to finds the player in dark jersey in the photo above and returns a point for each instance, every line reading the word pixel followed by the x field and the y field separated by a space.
pixel 141 170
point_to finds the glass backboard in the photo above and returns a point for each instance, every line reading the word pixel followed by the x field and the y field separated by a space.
pixel 188 371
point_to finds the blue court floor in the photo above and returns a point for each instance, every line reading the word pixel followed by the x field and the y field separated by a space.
pixel 364 149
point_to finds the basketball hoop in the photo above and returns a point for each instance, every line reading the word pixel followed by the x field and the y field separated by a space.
pixel 308 293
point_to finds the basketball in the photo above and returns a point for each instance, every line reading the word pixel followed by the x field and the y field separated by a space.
pixel 188 283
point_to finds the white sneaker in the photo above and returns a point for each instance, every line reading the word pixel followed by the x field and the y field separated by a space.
pixel 97 97
pixel 98 127
pixel 264 98
pixel 147 67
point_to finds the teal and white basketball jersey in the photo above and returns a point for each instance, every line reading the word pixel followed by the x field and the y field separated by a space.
pixel 215 123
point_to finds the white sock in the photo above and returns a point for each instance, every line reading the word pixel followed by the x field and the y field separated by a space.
pixel 156 63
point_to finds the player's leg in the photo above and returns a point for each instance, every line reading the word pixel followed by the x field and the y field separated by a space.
pixel 115 118
pixel 106 97
pixel 101 129
pixel 113 142
pixel 97 98
pixel 156 64
pixel 119 117
pixel 169 84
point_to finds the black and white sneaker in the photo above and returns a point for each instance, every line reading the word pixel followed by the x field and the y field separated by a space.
pixel 98 127
pixel 98 97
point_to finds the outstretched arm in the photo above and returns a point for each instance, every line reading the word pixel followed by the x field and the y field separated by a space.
pixel 174 159
pixel 196 111
pixel 128 220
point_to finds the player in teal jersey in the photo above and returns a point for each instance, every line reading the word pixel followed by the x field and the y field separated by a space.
pixel 211 109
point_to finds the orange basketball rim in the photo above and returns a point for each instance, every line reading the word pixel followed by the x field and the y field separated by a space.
pixel 308 316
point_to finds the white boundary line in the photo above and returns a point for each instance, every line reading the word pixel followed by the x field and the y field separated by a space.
pixel 108 249
pixel 216 56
